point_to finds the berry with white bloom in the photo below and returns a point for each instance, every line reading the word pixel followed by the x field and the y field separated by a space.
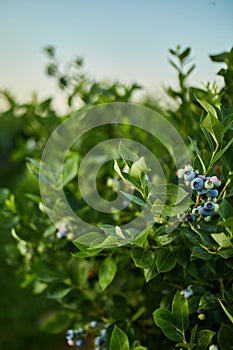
pixel 216 181
pixel 188 167
pixel 213 347
pixel 209 184
pixel 180 173
pixel 189 175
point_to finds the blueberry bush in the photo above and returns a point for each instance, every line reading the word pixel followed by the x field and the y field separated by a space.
pixel 166 286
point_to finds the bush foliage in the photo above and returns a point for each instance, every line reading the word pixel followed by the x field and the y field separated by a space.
pixel 165 289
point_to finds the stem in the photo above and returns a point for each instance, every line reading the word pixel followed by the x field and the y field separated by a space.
pixel 224 189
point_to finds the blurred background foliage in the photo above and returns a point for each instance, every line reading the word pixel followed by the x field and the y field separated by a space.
pixel 24 130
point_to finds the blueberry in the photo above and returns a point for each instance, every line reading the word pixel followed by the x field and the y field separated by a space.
pixel 61 234
pixel 209 184
pixel 93 324
pixel 202 193
pixel 216 181
pixel 70 334
pixel 189 175
pixel 208 218
pixel 202 177
pixel 190 217
pixel 204 212
pixel 212 193
pixel 209 206
pixel 180 173
pixel 79 342
pixel 103 332
pixel 195 211
pixel 197 184
pixel 181 217
pixel 188 167
pixel 80 331
pixel 99 341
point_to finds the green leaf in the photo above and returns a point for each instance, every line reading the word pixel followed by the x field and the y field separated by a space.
pixel 164 319
pixel 193 334
pixel 4 194
pixel 225 339
pixel 48 272
pixel 227 311
pixel 119 340
pixel 222 239
pixel 225 209
pixel 133 199
pixel 215 128
pixel 180 311
pixel 150 273
pixel 219 154
pixel 58 322
pixel 219 57
pixel 204 338
pixel 107 272
pixel 208 301
pixel 208 108
pixel 200 253
pixel 138 168
pixel 143 258
pixel 88 238
pixel 142 236
pixel 171 193
pixel 69 169
pixel 127 155
pixel 165 260
pixel 58 291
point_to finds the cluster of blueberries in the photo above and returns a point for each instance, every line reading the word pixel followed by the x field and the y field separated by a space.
pixel 63 232
pixel 207 193
pixel 77 337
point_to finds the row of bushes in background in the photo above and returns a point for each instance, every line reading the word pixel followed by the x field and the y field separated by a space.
pixel 161 291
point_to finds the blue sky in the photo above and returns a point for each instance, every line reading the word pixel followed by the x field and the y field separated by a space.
pixel 126 40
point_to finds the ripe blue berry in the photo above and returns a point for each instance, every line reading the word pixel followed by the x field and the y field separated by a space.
pixel 61 234
pixel 103 332
pixel 99 341
pixel 190 217
pixel 70 334
pixel 201 177
pixel 93 324
pixel 79 342
pixel 204 212
pixel 189 175
pixel 212 193
pixel 80 331
pixel 197 184
pixel 209 206
pixel 202 193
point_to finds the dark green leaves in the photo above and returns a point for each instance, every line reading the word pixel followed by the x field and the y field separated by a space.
pixel 107 271
pixel 165 260
pixel 174 323
pixel 180 311
pixel 225 339
pixel 165 320
pixel 119 340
